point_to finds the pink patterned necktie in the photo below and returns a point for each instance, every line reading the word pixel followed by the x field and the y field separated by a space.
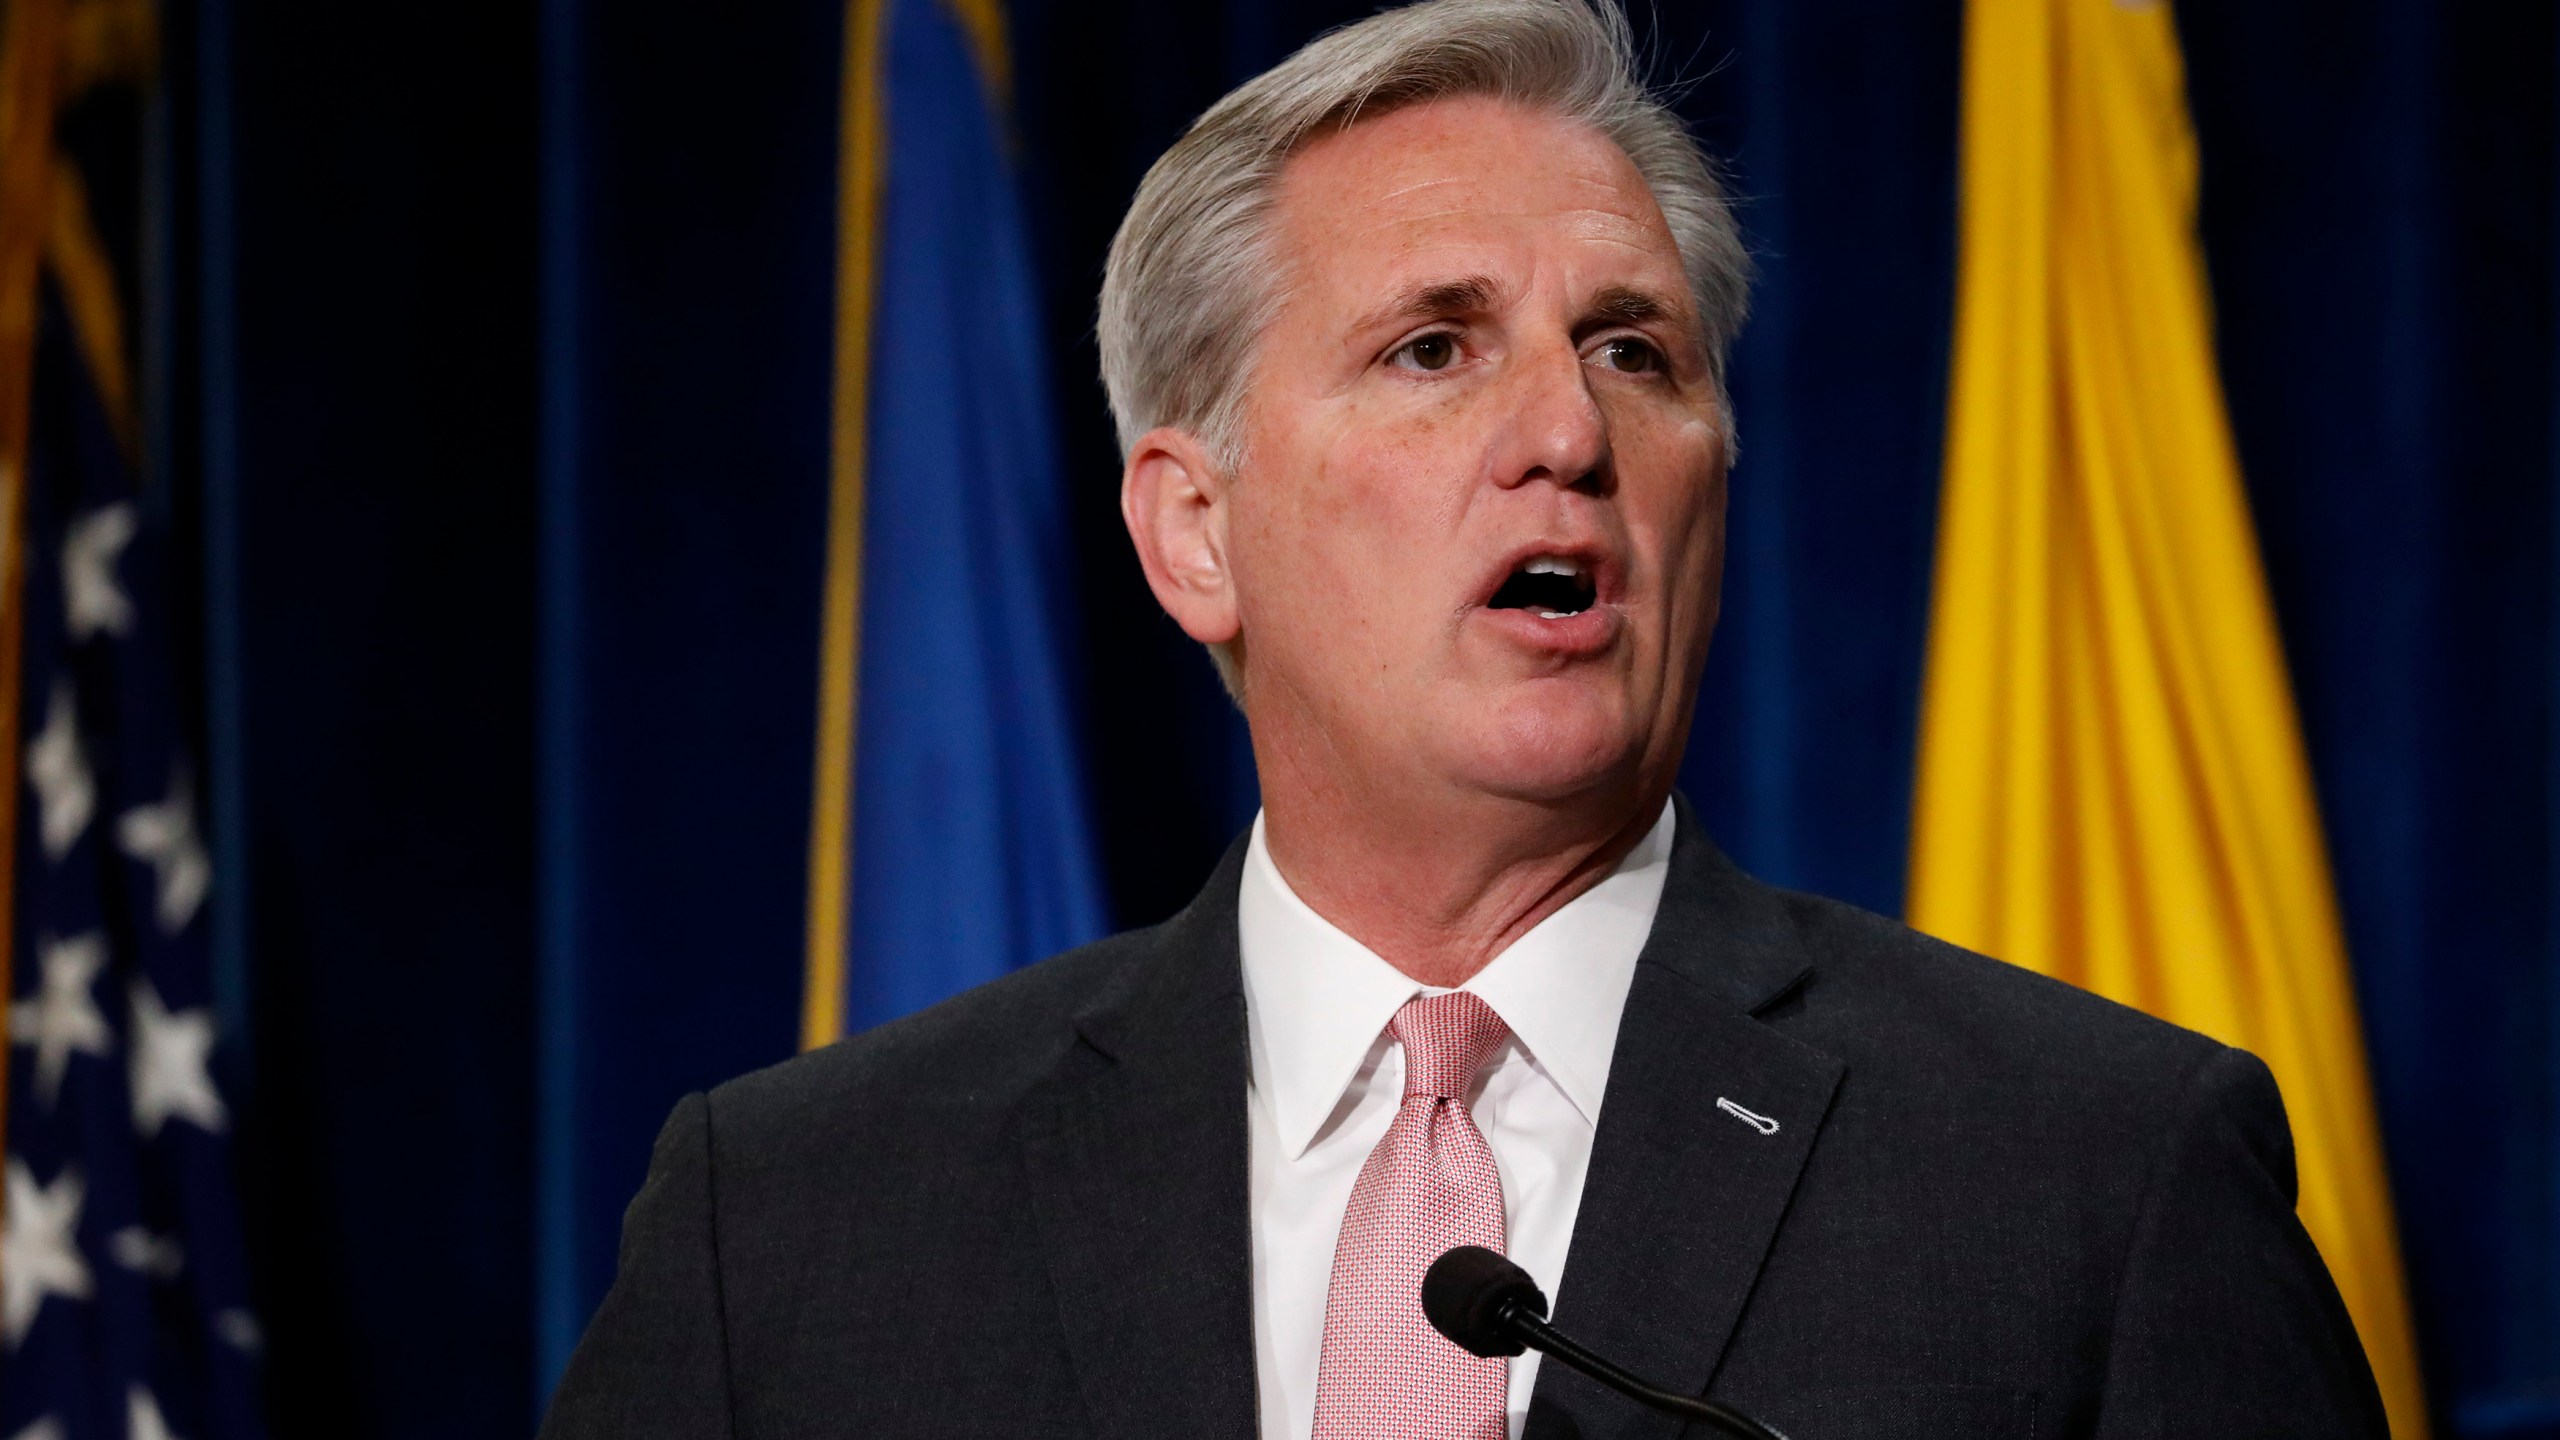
pixel 1430 1184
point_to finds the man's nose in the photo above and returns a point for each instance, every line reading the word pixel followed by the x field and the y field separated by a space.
pixel 1555 430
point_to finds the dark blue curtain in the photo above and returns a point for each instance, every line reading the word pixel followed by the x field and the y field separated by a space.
pixel 526 396
pixel 351 201
pixel 687 240
pixel 2378 214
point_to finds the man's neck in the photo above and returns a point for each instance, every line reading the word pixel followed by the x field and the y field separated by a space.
pixel 1439 891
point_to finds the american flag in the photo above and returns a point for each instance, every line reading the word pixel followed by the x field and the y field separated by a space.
pixel 123 1282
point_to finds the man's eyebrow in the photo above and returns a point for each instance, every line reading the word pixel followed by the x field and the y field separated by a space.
pixel 1438 300
pixel 1623 305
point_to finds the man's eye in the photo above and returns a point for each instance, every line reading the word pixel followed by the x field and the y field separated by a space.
pixel 1427 352
pixel 1631 356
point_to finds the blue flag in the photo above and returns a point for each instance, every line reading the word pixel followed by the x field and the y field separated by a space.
pixel 971 848
pixel 126 1312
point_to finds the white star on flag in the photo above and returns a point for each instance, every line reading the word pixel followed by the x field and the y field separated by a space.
pixel 62 1017
pixel 239 1329
pixel 91 599
pixel 142 1417
pixel 170 1080
pixel 163 836
pixel 143 1253
pixel 38 1256
pixel 66 796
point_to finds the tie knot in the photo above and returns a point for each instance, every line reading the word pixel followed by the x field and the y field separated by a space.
pixel 1446 1040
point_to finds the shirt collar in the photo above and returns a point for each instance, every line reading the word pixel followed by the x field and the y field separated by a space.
pixel 1316 1000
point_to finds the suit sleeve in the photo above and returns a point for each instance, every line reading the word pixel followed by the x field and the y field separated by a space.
pixel 654 1362
pixel 2226 1320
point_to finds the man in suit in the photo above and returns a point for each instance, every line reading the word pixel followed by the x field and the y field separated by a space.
pixel 1417 348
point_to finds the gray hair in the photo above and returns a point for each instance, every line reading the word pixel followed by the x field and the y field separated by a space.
pixel 1188 286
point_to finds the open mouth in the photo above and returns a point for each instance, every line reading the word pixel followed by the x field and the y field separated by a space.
pixel 1549 586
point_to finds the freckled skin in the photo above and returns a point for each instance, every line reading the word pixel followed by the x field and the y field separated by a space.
pixel 1437 777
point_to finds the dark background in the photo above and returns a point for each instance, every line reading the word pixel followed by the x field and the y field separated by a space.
pixel 499 346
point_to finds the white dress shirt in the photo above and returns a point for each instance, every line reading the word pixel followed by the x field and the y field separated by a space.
pixel 1327 1079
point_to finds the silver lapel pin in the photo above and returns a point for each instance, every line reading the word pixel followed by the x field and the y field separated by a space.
pixel 1761 1123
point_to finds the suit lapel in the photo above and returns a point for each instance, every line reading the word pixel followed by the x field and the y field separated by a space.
pixel 1684 1198
pixel 1137 1166
pixel 1136 1159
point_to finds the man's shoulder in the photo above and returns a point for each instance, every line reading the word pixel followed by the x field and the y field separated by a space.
pixel 980 1051
pixel 1887 996
pixel 1973 1087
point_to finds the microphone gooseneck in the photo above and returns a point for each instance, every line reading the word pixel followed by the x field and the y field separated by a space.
pixel 1489 1307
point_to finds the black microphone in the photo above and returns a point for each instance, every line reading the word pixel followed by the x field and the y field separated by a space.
pixel 1488 1306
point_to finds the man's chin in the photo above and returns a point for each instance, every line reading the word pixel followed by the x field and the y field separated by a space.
pixel 1553 749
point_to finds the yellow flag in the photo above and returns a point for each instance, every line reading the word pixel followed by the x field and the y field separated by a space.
pixel 2112 787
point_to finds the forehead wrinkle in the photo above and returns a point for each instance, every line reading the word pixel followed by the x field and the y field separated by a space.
pixel 1587 215
pixel 1427 183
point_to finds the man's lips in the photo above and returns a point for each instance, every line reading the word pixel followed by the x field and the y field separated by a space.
pixel 1555 599
pixel 1556 635
pixel 1550 575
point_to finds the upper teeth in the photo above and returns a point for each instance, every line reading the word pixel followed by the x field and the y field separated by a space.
pixel 1551 565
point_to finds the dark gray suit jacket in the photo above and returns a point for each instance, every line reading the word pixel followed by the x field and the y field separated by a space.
pixel 1994 1206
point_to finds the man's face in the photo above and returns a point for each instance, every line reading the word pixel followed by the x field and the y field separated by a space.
pixel 1480 523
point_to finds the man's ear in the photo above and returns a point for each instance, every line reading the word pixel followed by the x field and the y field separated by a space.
pixel 1175 505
